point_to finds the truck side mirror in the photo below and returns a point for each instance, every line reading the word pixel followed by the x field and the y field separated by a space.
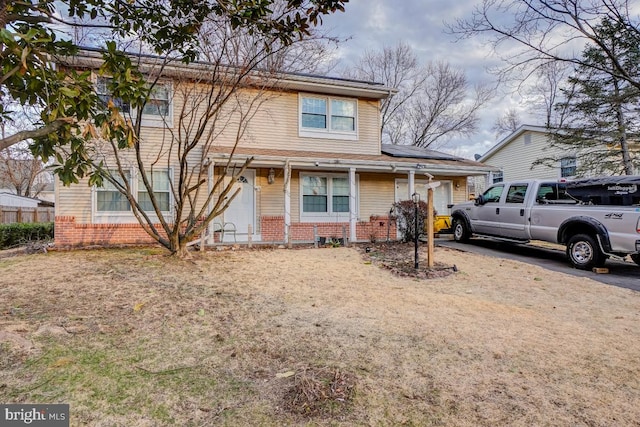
pixel 480 200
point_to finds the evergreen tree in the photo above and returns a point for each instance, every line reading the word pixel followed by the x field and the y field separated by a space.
pixel 599 119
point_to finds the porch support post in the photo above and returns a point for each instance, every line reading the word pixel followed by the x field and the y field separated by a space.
pixel 287 201
pixel 412 186
pixel 210 178
pixel 352 205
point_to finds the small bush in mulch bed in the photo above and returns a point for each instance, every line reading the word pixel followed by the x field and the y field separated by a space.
pixel 12 235
pixel 399 258
pixel 320 392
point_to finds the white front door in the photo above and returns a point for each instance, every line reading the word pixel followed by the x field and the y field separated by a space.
pixel 242 210
pixel 442 195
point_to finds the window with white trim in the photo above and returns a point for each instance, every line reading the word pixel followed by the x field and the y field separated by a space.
pixel 326 117
pixel 497 177
pixel 325 195
pixel 161 186
pixel 157 110
pixel 110 201
pixel 567 167
pixel 102 89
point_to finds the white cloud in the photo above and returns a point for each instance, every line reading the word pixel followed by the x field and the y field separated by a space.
pixel 372 24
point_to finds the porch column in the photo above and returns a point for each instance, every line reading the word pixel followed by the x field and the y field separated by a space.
pixel 352 205
pixel 287 201
pixel 412 186
pixel 210 178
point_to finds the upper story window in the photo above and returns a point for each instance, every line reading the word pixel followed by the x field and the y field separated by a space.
pixel 157 110
pixel 102 84
pixel 326 117
pixel 497 177
pixel 568 167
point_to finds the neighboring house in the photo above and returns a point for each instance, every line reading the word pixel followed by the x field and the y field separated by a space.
pixel 306 173
pixel 14 208
pixel 13 200
pixel 515 155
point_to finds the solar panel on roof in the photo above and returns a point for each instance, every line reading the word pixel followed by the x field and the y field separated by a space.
pixel 415 152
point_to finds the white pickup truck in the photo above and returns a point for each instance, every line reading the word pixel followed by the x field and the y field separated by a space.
pixel 543 210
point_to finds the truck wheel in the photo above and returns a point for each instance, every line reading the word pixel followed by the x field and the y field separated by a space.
pixel 584 253
pixel 636 258
pixel 460 231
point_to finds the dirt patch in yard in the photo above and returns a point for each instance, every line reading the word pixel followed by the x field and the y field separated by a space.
pixel 315 337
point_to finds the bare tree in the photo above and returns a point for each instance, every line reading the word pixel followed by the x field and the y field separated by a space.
pixel 22 173
pixel 165 181
pixel 446 107
pixel 397 67
pixel 530 34
pixel 434 102
pixel 508 123
pixel 546 91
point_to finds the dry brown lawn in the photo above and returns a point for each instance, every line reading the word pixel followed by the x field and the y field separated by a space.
pixel 314 337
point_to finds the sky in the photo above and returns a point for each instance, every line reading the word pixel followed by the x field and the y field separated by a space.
pixel 371 24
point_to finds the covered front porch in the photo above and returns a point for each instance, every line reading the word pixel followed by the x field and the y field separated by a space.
pixel 288 197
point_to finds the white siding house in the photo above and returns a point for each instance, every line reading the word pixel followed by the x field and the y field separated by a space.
pixel 516 154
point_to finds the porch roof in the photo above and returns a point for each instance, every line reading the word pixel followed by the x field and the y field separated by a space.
pixel 383 163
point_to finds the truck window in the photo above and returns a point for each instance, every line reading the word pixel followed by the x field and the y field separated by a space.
pixel 516 193
pixel 493 194
pixel 553 192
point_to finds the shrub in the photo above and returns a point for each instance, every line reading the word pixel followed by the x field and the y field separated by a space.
pixel 21 233
pixel 405 214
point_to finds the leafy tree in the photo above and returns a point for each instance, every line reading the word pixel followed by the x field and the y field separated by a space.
pixel 32 42
pixel 90 135
pixel 599 119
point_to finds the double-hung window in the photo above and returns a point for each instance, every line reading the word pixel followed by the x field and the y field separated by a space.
pixel 102 89
pixel 567 167
pixel 158 103
pixel 326 117
pixel 109 198
pixel 161 186
pixel 325 196
pixel 111 204
pixel 157 110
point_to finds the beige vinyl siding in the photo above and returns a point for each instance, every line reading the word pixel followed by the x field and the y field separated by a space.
pixel 74 200
pixel 275 126
pixel 376 194
pixel 271 195
pixel 515 159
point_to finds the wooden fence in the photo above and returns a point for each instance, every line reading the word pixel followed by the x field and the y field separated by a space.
pixel 13 214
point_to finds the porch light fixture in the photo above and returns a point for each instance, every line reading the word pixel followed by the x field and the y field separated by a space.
pixel 271 177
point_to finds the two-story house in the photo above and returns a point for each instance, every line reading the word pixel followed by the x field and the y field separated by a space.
pixel 318 165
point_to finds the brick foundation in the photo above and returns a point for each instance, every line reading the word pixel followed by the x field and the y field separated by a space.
pixel 374 229
pixel 69 234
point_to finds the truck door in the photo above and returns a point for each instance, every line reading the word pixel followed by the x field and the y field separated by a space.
pixel 513 215
pixel 485 216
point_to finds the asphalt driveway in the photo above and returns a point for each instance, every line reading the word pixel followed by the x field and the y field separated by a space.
pixel 622 274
